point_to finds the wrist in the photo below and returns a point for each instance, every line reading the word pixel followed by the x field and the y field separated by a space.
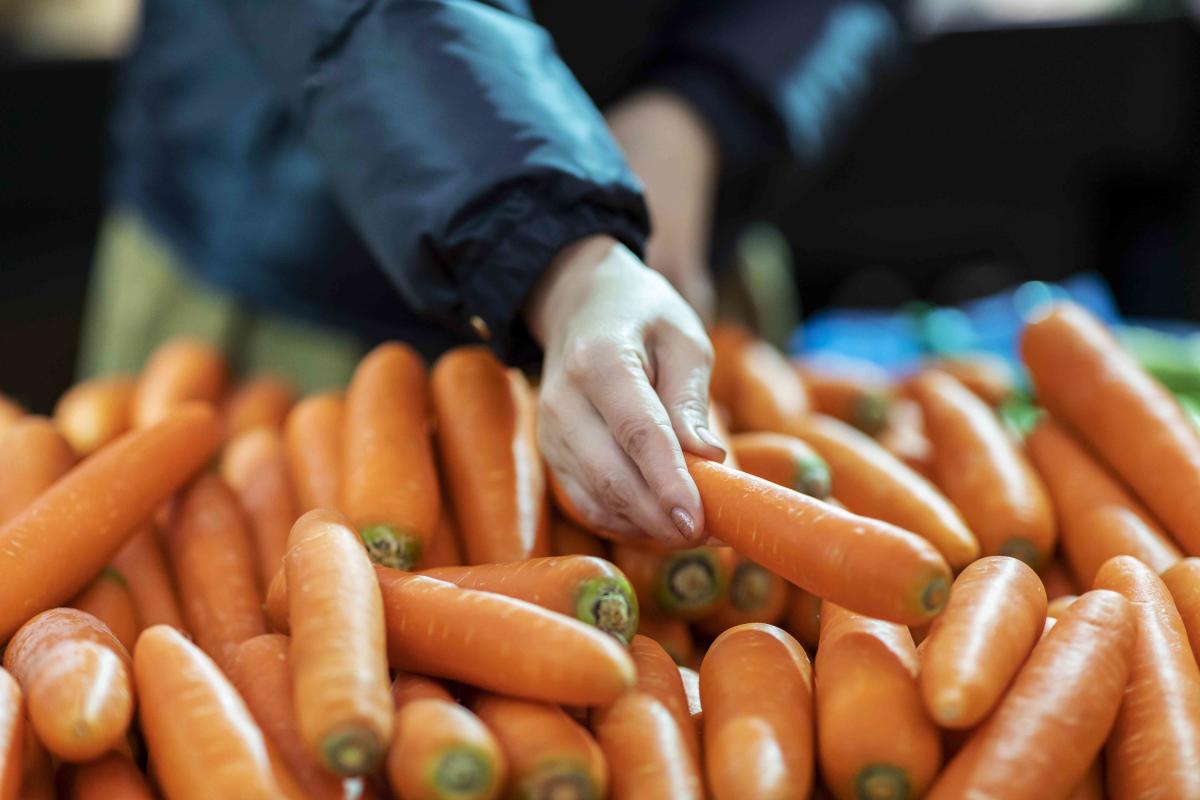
pixel 565 285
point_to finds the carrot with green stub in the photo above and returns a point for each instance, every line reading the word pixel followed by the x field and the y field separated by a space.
pixel 255 466
pixel 754 594
pixel 442 751
pixel 875 738
pixel 93 413
pixel 856 392
pixel 1183 581
pixel 389 485
pixel 680 583
pixel 91 511
pixel 34 455
pixel 12 736
pixel 782 459
pixel 312 435
pixel 973 650
pixel 261 401
pixel 647 756
pixel 658 676
pixel 672 634
pixel 178 371
pixel 108 599
pixel 77 682
pixel 863 564
pixel 142 564
pixel 589 589
pixel 113 777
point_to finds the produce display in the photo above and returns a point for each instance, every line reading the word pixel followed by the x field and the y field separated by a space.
pixel 217 589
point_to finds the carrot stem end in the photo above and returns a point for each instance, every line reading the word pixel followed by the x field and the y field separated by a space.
pixel 388 546
pixel 881 782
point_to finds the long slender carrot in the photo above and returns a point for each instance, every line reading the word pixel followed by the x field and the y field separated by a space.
pixel 487 440
pixel 52 549
pixel 973 650
pixel 1048 729
pixel 108 599
pixel 672 634
pixel 1183 581
pixel 868 566
pixel 113 777
pixel 856 392
pixel 10 411
pixel 339 663
pixel 445 549
pixel 141 562
pixel 875 739
pixel 904 436
pixel 77 683
pixel 681 583
pixel 407 687
pixel 647 755
pixel 210 553
pixel 389 483
pixel 1098 519
pixel 756 688
pixel 988 377
pixel 442 751
pixel 1057 579
pixel 549 754
pixel 1154 746
pixel 658 676
pixel 202 740
pixel 34 455
pixel 12 736
pixel 568 539
pixel 783 459
pixel 313 436
pixel 768 395
pixel 803 618
pixel 589 589
pixel 93 413
pixel 983 473
pixel 262 401
pixel 178 371
pixel 754 594
pixel 255 465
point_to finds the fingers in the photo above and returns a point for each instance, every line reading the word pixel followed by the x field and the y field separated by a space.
pixel 684 368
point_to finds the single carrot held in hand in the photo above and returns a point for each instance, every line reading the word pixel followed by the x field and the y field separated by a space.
pixel 875 739
pixel 973 650
pixel 784 460
pixel 93 413
pixel 855 392
pixel 1154 745
pixel 389 484
pixel 313 437
pixel 108 599
pixel 681 583
pixel 113 777
pixel 91 510
pixel 77 682
pixel 755 594
pixel 255 466
pixel 262 401
pixel 441 751
pixel 589 589
pixel 1048 729
pixel 863 564
pixel 142 564
pixel 672 634
pixel 178 371
pixel 34 455
pixel 647 755
pixel 1183 581
pixel 339 664
pixel 803 618
pixel 12 736
pixel 568 539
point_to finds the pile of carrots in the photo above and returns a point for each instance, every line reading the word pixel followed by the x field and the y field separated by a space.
pixel 215 591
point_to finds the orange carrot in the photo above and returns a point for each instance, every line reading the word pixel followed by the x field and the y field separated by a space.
pixel 756 688
pixel 202 739
pixel 255 466
pixel 77 683
pixel 768 395
pixel 754 594
pixel 408 687
pixel 1048 729
pixel 313 436
pixel 983 473
pixel 658 676
pixel 718 426
pixel 10 411
pixel 93 413
pixel 444 549
pixel 178 371
pixel 863 564
pixel 904 436
pixel 210 553
pixel 549 754
pixel 567 539
pixel 1098 519
pixel 12 736
pixel 144 568
pixel 973 650
pixel 276 604
pixel 54 547
pixel 728 341
pixel 34 455
pixel 339 664
pixel 680 583
pixel 1057 607
pixel 389 484
pixel 856 392
pixel 1183 580
pixel 263 401
pixel 875 739
pixel 647 755
pixel 113 777
pixel 1092 785
pixel 691 687
pixel 38 773
pixel 988 377
pixel 1057 579
pixel 487 440
pixel 1154 745
pixel 444 752
pixel 803 619
pixel 672 634
pixel 784 460
pixel 109 600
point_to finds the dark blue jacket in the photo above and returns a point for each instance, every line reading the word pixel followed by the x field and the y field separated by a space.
pixel 387 164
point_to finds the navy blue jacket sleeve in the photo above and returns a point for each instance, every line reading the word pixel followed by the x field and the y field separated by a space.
pixel 460 146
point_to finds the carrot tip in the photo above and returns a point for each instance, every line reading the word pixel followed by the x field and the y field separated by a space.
pixel 611 605
pixel 1023 550
pixel 947 707
pixel 390 547
pixel 750 587
pixel 936 593
pixel 870 412
pixel 691 580
pixel 560 782
pixel 352 751
pixel 462 773
pixel 811 477
pixel 881 782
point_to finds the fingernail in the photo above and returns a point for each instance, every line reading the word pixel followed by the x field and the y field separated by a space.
pixel 709 438
pixel 684 523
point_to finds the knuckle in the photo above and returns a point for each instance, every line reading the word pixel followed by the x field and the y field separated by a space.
pixel 636 435
pixel 614 493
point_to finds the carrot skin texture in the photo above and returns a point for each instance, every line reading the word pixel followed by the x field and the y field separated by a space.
pixel 12 736
pixel 113 777
pixel 178 371
pixel 255 466
pixel 34 455
pixel 93 413
pixel 647 755
pixel 263 401
pixel 313 437
pixel 1154 745
pixel 442 750
pixel 994 618
pixel 92 509
pixel 863 564
pixel 141 562
pixel 1046 732
pixel 108 600
pixel 783 460
pixel 1183 581
pixel 658 676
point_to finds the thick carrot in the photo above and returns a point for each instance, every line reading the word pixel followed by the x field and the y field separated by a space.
pixel 647 755
pixel 1154 745
pixel 77 682
pixel 783 459
pixel 1057 579
pixel 389 483
pixel 568 539
pixel 262 401
pixel 407 687
pixel 339 664
pixel 445 549
pixel 34 455
pixel 756 688
pixel 178 371
pixel 658 676
pixel 863 564
pixel 754 594
pixel 680 583
pixel 113 777
pixel 549 754
pixel 803 618
pixel 1091 385
pixel 856 392
pixel 988 377
pixel 487 440
pixel 144 568
pixel 875 739
pixel 10 411
pixel 983 473
pixel 12 736
pixel 202 740
pixel 108 599
pixel 442 751
pixel 256 467
pixel 1183 581
pixel 54 547
pixel 768 395
pixel 1057 607
pixel 589 589
pixel 1098 519
pixel 313 437
pixel 973 650
pixel 213 562
pixel 672 634
pixel 1048 729
pixel 691 687
pixel 904 436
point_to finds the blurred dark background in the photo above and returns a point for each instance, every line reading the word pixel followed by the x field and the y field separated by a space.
pixel 1014 146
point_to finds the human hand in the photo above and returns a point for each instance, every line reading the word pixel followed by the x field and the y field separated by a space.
pixel 624 384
